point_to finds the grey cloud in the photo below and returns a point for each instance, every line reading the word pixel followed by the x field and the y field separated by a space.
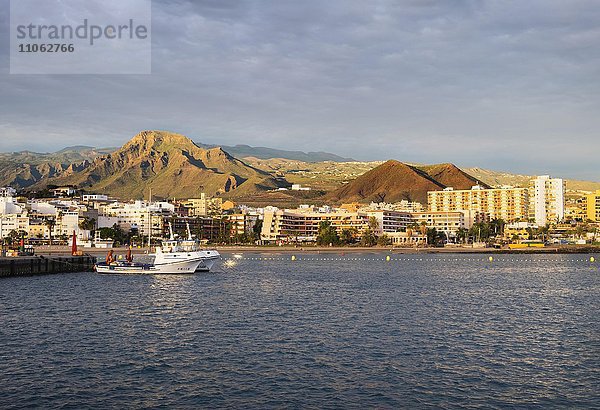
pixel 508 85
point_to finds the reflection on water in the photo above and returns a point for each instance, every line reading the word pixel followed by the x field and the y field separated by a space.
pixel 321 331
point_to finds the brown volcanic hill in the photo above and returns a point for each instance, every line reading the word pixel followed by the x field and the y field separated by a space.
pixel 451 176
pixel 391 181
pixel 172 165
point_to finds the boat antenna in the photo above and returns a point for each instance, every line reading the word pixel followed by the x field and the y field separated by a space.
pixel 171 231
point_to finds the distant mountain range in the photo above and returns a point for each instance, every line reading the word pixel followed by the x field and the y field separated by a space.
pixel 243 151
pixel 83 152
pixel 66 155
pixel 174 166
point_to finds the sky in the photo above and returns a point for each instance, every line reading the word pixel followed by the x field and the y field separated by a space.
pixel 504 85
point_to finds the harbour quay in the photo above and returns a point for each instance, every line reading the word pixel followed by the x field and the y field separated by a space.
pixel 43 265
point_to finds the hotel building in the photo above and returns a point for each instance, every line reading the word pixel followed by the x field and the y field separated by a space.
pixel 547 200
pixel 302 224
pixel 507 203
pixel 592 206
pixel 448 222
pixel 146 217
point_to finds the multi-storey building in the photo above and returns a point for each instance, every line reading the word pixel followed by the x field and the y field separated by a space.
pixel 202 228
pixel 8 205
pixel 94 198
pixel 8 192
pixel 547 200
pixel 507 203
pixel 448 222
pixel 146 217
pixel 592 206
pixel 389 221
pixel 13 222
pixel 204 206
pixel 242 223
pixel 302 224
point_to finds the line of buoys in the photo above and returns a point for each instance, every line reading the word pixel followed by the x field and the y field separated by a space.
pixel 388 258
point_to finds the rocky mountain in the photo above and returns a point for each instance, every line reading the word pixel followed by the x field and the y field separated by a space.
pixel 169 163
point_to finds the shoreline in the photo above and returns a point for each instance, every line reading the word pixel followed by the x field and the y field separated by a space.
pixel 573 249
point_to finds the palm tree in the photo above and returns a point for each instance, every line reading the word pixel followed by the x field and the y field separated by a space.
pixel 50 223
pixel 497 225
pixel 373 224
pixel 543 232
pixel 423 227
pixel 462 234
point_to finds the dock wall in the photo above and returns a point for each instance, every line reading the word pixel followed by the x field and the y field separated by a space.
pixel 43 265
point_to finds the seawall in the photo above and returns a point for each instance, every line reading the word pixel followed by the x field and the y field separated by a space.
pixel 43 265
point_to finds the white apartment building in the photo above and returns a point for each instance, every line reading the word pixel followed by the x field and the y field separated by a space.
pixel 547 199
pixel 8 205
pixel 447 222
pixel 94 197
pixel 66 223
pixel 146 217
pixel 389 221
pixel 403 206
pixel 204 206
pixel 13 222
pixel 8 191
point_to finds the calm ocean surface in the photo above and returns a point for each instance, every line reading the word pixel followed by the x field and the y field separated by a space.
pixel 450 331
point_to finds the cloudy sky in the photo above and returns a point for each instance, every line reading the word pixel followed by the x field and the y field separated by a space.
pixel 506 85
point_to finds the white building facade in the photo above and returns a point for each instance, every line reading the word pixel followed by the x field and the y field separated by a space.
pixel 547 200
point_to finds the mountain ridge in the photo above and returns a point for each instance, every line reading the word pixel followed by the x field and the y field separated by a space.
pixel 171 163
pixel 29 170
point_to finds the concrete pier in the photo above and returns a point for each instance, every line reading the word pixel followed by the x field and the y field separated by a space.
pixel 42 265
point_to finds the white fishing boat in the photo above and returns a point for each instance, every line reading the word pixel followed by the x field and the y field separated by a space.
pixel 209 257
pixel 172 261
pixel 176 249
pixel 174 256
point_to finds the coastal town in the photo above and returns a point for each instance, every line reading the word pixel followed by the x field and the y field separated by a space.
pixel 536 215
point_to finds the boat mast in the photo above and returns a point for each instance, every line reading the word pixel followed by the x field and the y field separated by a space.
pixel 171 235
pixel 189 233
pixel 149 221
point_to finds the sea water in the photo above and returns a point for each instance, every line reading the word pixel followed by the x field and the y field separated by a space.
pixel 326 330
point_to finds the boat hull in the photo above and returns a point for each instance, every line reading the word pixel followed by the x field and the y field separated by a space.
pixel 209 258
pixel 174 267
